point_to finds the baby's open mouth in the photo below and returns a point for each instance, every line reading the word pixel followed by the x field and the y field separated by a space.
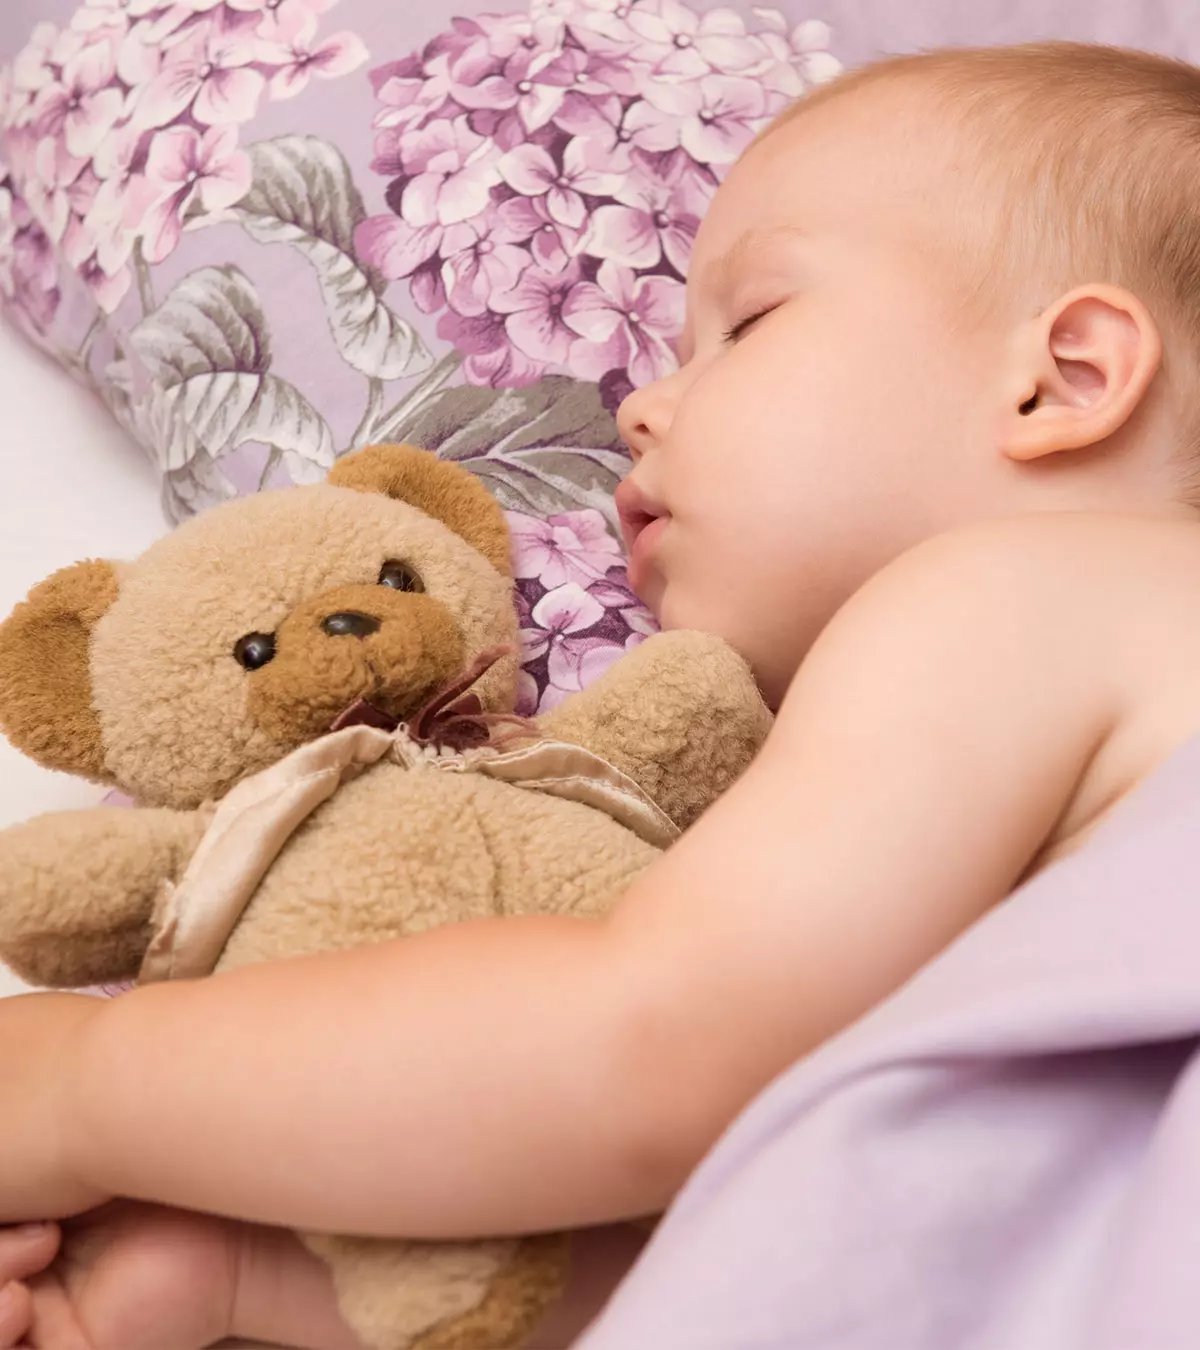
pixel 636 512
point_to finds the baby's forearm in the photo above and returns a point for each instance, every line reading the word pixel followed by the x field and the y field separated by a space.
pixel 284 1295
pixel 479 1079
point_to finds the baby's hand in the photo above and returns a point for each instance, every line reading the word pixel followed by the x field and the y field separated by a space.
pixel 127 1276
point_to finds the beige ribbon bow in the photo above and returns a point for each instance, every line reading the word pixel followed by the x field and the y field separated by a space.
pixel 252 824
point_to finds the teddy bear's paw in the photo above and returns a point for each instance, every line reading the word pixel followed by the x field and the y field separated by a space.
pixel 445 1295
pixel 77 891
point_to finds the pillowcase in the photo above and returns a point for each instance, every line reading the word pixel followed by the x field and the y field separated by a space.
pixel 268 231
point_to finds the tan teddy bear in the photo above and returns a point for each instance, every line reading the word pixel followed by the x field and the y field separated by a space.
pixel 309 695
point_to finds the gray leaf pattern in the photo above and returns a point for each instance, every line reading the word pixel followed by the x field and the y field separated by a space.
pixel 195 382
pixel 547 448
pixel 303 195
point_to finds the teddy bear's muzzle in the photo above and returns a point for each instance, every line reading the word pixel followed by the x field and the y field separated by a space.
pixel 393 649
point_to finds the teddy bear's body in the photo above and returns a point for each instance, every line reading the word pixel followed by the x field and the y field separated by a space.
pixel 223 659
pixel 369 865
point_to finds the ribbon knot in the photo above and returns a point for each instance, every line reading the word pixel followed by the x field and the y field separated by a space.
pixel 453 719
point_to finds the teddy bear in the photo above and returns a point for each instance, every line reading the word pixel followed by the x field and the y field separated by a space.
pixel 308 694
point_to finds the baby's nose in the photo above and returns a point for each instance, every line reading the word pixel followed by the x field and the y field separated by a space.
pixel 635 422
pixel 644 418
pixel 346 623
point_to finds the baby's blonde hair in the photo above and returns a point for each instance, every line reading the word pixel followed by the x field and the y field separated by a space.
pixel 1089 161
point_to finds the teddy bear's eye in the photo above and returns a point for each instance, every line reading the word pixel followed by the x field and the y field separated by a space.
pixel 255 650
pixel 400 577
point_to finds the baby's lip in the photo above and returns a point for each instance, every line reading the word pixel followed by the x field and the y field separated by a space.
pixel 636 510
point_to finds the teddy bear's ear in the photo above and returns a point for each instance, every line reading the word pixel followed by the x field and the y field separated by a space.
pixel 448 493
pixel 45 677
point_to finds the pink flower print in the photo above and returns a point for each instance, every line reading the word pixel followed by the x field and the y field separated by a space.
pixel 81 195
pixel 455 171
pixel 411 92
pixel 425 284
pixel 713 118
pixel 140 9
pixel 35 291
pixel 397 249
pixel 117 157
pixel 573 547
pixel 628 321
pixel 683 45
pixel 299 59
pixel 32 72
pixel 603 25
pixel 657 212
pixel 532 83
pixel 600 122
pixel 162 21
pixel 799 59
pixel 528 220
pixel 490 358
pixel 117 164
pixel 487 265
pixel 535 314
pixel 533 172
pixel 184 164
pixel 207 72
pixel 573 665
pixel 108 289
pixel 572 662
pixel 480 46
pixel 47 201
pixel 139 58
pixel 282 19
pixel 393 247
pixel 84 108
pixel 95 14
pixel 641 621
pixel 596 74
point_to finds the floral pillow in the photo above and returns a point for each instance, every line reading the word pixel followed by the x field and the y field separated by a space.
pixel 268 231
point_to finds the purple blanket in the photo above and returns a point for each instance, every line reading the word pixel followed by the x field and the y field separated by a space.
pixel 1004 1156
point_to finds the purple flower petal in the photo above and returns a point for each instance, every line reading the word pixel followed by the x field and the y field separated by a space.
pixel 529 169
pixel 626 236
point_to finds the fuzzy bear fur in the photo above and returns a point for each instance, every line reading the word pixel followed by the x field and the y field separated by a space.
pixel 125 673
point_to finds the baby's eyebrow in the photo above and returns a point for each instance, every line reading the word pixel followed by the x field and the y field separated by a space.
pixel 720 272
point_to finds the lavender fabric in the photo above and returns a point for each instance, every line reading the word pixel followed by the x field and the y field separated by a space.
pixel 1004 1156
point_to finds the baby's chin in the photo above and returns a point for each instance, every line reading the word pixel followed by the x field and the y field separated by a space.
pixel 651 593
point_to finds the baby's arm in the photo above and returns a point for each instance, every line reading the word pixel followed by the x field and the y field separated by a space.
pixel 525 1074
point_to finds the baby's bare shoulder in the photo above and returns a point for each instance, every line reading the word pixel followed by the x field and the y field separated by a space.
pixel 1108 571
pixel 1105 609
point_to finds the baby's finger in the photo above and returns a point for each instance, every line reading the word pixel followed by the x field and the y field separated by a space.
pixel 26 1250
pixel 16 1313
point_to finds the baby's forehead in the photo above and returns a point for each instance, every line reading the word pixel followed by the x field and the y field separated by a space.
pixel 856 165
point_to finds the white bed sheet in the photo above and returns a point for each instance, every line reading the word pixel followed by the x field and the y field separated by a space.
pixel 72 486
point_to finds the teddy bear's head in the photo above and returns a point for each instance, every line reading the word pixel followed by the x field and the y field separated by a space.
pixel 250 628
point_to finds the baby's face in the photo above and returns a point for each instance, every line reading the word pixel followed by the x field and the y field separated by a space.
pixel 832 403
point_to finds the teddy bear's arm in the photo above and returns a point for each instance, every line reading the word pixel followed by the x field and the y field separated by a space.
pixel 77 890
pixel 681 715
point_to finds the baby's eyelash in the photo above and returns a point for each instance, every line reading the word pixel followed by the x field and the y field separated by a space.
pixel 732 334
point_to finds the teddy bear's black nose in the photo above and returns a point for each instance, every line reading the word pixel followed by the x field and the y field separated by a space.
pixel 349 624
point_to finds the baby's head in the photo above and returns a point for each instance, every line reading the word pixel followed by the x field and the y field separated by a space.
pixel 944 288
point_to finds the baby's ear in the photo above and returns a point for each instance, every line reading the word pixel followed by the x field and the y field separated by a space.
pixel 1083 367
pixel 45 670
pixel 445 491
